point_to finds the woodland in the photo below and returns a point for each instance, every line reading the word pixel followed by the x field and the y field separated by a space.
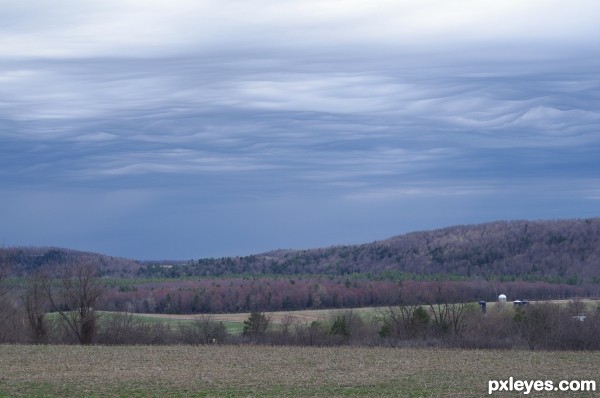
pixel 552 259
pixel 429 281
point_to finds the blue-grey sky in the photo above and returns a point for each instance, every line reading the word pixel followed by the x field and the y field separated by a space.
pixel 186 129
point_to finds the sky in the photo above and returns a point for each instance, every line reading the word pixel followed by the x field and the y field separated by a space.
pixel 189 129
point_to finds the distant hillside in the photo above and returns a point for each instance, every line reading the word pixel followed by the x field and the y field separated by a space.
pixel 535 260
pixel 560 251
pixel 24 260
pixel 565 251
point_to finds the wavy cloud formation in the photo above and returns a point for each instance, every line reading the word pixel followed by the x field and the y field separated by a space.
pixel 276 124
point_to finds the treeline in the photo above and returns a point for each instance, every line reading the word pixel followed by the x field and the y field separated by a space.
pixel 267 294
pixel 562 251
pixel 575 326
pixel 63 307
pixel 23 261
pixel 565 251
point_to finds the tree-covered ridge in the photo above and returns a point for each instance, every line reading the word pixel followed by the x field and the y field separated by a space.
pixel 23 261
pixel 560 251
pixel 522 259
pixel 557 251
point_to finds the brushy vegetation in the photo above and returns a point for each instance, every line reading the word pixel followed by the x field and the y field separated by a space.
pixel 266 371
pixel 573 325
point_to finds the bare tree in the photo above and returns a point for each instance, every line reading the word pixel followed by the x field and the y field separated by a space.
pixel 203 330
pixel 312 333
pixel 285 328
pixel 458 314
pixel 74 295
pixel 35 303
pixel 536 323
pixel 119 328
pixel 7 301
pixel 407 321
pixel 440 315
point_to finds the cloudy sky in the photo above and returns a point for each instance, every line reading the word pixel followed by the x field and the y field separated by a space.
pixel 185 129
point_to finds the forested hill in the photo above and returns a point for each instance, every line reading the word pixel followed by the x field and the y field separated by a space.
pixel 22 261
pixel 565 251
pixel 561 251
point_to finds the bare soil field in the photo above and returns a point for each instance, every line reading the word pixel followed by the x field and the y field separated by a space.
pixel 264 371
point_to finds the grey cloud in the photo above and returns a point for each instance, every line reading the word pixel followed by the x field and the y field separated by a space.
pixel 321 124
pixel 308 124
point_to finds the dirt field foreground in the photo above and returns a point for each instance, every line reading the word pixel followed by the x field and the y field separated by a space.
pixel 263 371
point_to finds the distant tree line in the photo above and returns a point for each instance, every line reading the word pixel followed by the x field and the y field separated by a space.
pixel 561 252
pixel 293 293
pixel 28 260
pixel 564 251
pixel 60 310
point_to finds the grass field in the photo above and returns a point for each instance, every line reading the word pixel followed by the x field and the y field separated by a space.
pixel 234 322
pixel 264 371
